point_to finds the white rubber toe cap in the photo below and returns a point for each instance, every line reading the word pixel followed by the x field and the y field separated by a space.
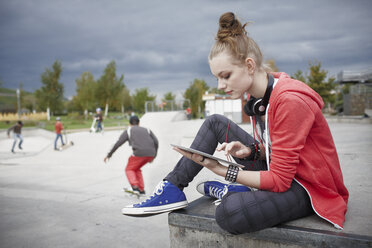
pixel 200 188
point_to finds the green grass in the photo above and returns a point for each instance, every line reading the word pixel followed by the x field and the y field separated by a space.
pixel 72 121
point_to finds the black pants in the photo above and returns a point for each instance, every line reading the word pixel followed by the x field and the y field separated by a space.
pixel 244 211
pixel 211 133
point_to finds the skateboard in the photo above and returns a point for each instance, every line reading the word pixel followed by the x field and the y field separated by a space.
pixel 131 193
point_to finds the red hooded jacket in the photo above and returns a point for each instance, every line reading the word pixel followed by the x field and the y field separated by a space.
pixel 302 149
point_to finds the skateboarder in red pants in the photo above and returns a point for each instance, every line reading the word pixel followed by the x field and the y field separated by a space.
pixel 145 146
pixel 134 174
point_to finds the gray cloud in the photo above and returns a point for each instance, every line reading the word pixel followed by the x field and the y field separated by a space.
pixel 164 45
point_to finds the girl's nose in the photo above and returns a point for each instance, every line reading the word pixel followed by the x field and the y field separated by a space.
pixel 221 85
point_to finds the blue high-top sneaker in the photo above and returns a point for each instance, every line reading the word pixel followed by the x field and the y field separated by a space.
pixel 166 197
pixel 217 189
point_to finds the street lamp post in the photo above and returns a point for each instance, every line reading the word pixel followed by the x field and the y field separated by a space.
pixel 19 103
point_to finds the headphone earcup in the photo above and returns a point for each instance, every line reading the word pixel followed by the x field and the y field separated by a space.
pixel 248 107
pixel 257 106
pixel 252 107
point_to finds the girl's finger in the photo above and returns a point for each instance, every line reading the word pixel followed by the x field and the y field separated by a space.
pixel 222 147
pixel 197 158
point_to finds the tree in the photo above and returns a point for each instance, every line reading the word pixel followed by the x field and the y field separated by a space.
pixel 124 100
pixel 109 87
pixel 140 98
pixel 272 65
pixel 168 101
pixel 27 100
pixel 299 76
pixel 216 91
pixel 317 81
pixel 194 94
pixel 50 95
pixel 169 97
pixel 85 92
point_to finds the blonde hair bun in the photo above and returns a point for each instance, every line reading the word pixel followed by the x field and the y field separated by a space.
pixel 229 26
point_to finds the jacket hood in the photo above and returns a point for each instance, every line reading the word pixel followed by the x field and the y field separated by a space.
pixel 287 84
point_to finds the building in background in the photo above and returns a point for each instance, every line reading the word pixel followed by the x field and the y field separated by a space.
pixel 224 105
pixel 359 99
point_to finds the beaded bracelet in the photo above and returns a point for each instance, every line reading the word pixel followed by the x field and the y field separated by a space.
pixel 232 173
pixel 258 153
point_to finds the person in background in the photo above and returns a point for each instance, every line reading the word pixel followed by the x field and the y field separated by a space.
pixel 99 119
pixel 59 128
pixel 188 113
pixel 145 147
pixel 17 134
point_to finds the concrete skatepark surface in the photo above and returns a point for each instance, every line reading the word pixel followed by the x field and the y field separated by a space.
pixel 73 199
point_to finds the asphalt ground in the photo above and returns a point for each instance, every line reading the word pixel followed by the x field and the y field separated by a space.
pixel 71 198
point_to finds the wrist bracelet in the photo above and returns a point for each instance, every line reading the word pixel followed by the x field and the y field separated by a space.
pixel 232 173
pixel 253 154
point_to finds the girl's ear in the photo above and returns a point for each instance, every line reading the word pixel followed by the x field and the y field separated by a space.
pixel 251 65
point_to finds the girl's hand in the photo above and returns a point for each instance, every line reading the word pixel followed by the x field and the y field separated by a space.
pixel 235 149
pixel 249 178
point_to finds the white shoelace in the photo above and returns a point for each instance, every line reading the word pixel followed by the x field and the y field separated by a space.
pixel 218 192
pixel 157 191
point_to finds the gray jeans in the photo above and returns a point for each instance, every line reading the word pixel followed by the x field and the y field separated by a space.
pixel 15 137
pixel 247 211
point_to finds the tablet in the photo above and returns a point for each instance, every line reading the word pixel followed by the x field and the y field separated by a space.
pixel 207 155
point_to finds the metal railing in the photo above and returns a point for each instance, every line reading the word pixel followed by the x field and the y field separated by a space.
pixel 151 106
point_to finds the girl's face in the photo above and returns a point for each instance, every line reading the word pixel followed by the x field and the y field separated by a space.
pixel 232 78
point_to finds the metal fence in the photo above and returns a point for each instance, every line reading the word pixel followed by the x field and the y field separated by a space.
pixel 152 106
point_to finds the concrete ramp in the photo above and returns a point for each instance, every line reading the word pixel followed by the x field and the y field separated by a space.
pixel 162 117
pixel 35 140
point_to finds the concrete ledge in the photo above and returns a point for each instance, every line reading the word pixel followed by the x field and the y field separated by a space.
pixel 195 226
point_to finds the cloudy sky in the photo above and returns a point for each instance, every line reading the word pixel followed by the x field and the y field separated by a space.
pixel 164 45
